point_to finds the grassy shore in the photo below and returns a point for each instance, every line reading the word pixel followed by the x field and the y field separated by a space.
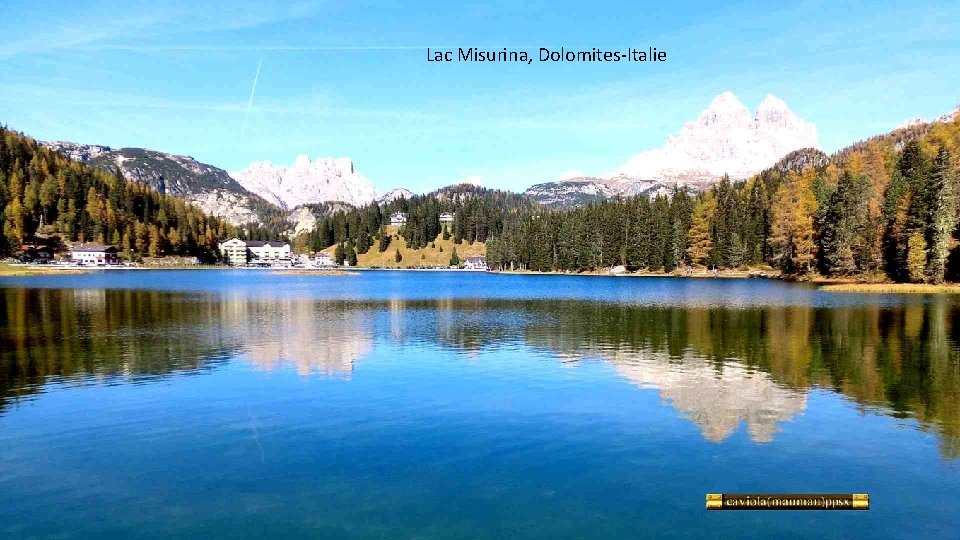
pixel 893 288
pixel 9 270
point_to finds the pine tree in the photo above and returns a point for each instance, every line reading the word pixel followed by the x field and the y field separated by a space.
pixel 351 255
pixel 757 225
pixel 913 167
pixel 894 247
pixel 340 254
pixel 454 258
pixel 846 230
pixel 397 256
pixel 384 240
pixel 942 217
pixel 363 242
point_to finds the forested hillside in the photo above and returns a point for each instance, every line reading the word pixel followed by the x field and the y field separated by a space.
pixel 479 214
pixel 47 196
pixel 887 205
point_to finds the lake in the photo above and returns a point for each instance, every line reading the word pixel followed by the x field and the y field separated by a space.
pixel 242 404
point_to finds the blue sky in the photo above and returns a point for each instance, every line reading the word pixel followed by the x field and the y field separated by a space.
pixel 351 79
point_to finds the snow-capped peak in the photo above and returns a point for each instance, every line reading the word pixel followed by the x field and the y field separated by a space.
pixel 307 181
pixel 724 139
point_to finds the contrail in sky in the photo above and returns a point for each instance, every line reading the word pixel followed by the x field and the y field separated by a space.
pixel 253 91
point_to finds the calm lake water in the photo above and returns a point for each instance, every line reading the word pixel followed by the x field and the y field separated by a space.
pixel 241 404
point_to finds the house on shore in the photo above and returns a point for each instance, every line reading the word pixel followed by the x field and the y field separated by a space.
pixel 238 252
pixel 234 252
pixel 475 263
pixel 268 252
pixel 94 255
pixel 34 254
pixel 398 218
pixel 324 260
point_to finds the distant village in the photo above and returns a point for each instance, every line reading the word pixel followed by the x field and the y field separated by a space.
pixel 234 252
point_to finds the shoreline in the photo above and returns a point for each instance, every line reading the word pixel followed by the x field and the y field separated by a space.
pixel 722 274
pixel 866 285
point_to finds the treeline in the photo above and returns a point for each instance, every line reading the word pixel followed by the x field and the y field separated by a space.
pixel 726 227
pixel 888 205
pixel 45 196
pixel 479 213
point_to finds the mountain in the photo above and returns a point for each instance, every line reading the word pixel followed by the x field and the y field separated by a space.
pixel 394 194
pixel 209 188
pixel 577 192
pixel 53 198
pixel 304 219
pixel 76 151
pixel 570 193
pixel 307 181
pixel 724 139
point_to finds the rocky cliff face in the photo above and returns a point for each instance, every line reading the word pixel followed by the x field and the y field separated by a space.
pixel 307 181
pixel 209 188
pixel 724 139
pixel 76 151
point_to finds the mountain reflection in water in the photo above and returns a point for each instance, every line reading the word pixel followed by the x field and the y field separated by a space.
pixel 718 367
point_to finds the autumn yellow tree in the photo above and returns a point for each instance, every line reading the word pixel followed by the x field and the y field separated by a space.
pixel 700 236
pixel 154 248
pixel 791 231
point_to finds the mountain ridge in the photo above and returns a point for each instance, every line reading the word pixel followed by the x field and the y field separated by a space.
pixel 210 188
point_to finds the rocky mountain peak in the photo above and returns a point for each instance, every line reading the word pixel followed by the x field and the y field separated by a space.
pixel 394 194
pixel 725 109
pixel 307 181
pixel 77 151
pixel 725 139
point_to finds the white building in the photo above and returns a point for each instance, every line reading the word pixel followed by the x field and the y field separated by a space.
pixel 446 217
pixel 398 218
pixel 234 251
pixel 323 260
pixel 268 252
pixel 475 263
pixel 238 253
pixel 94 254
